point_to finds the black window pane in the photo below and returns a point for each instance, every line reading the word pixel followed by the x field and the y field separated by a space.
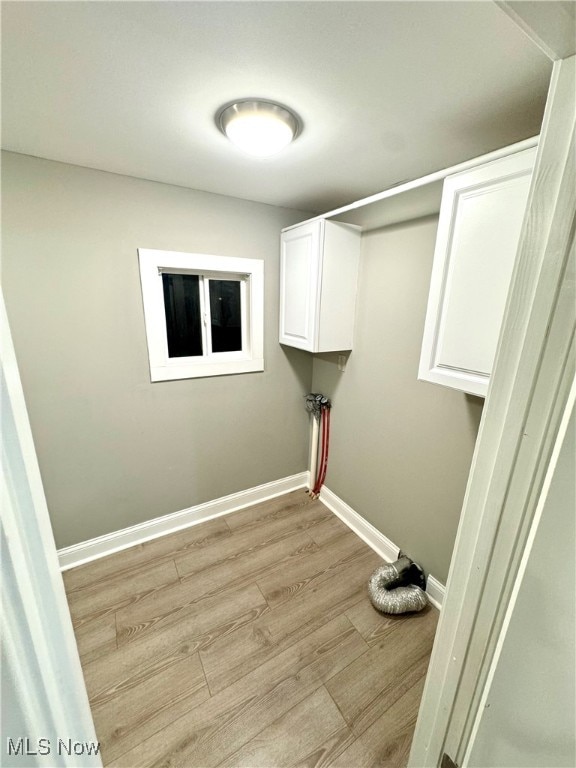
pixel 182 307
pixel 225 313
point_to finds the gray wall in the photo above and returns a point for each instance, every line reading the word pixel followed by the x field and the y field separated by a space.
pixel 400 449
pixel 114 449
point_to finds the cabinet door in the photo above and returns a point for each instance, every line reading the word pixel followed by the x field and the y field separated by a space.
pixel 299 285
pixel 478 232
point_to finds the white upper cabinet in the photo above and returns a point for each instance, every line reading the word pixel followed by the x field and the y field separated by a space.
pixel 318 277
pixel 478 231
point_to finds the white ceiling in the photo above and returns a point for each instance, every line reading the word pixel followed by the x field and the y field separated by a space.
pixel 387 91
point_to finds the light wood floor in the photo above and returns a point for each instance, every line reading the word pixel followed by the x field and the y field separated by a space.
pixel 248 641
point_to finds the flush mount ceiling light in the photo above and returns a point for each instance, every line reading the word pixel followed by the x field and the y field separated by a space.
pixel 260 128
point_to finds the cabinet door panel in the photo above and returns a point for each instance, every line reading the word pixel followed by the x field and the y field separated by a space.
pixel 478 230
pixel 299 277
pixel 480 266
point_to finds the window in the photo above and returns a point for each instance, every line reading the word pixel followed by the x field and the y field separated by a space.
pixel 204 314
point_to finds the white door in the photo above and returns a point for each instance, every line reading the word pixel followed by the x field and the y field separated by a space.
pixel 46 718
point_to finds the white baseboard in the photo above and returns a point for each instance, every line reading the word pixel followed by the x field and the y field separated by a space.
pixel 361 527
pixel 435 591
pixel 85 551
pixel 376 540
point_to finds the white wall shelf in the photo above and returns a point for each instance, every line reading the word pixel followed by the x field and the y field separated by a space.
pixel 410 199
pixel 316 307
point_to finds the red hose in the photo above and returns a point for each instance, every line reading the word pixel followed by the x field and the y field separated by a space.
pixel 322 469
pixel 322 452
pixel 325 464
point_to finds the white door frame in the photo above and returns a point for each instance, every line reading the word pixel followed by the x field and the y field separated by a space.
pixel 44 696
pixel 527 398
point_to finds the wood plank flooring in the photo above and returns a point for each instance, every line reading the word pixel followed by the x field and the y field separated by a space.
pixel 248 641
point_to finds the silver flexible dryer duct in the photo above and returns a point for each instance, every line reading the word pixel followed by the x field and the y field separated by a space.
pixel 390 588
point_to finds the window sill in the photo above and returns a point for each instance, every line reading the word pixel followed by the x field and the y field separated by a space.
pixel 205 369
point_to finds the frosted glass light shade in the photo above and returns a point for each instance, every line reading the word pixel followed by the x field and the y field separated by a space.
pixel 259 128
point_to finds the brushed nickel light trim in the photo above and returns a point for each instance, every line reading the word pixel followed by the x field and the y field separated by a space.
pixel 257 126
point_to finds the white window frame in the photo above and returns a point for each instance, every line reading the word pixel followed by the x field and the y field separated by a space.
pixel 250 273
